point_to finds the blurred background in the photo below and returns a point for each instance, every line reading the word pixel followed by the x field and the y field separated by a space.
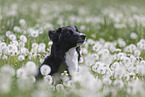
pixel 108 19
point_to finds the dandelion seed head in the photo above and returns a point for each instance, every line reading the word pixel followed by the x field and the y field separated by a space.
pixel 23 38
pixel 17 29
pixel 45 69
pixel 22 22
pixel 12 37
pixel 133 35
pixel 21 58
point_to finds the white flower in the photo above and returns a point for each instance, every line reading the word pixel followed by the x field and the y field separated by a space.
pixel 21 73
pixel 14 42
pixel 50 43
pixel 82 27
pixel 142 62
pixel 107 80
pixel 23 51
pixel 41 47
pixel 59 87
pixel 34 33
pixel 121 42
pixel 140 70
pixel 97 46
pixel 5 57
pixel 137 53
pixel 48 78
pixel 22 22
pixel 132 47
pixel 101 70
pixel 89 60
pixel 30 67
pixel 34 45
pixel 3 45
pixel 133 36
pixel 23 38
pixel 45 69
pixel 8 33
pixel 21 58
pixel 17 29
pixel 90 41
pixel 96 56
pixel 126 60
pixel 118 83
pixel 41 60
pixel 12 37
pixel 8 70
pixel 114 65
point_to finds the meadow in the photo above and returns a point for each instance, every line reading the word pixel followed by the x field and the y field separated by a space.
pixel 113 56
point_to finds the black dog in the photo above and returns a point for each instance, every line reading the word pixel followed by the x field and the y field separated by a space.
pixel 65 50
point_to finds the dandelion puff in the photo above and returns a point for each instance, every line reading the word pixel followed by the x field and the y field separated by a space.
pixel 101 70
pixel 121 42
pixel 34 33
pixel 133 36
pixel 89 60
pixel 8 33
pixel 21 58
pixel 17 29
pixel 48 78
pixel 12 37
pixel 142 62
pixel 45 69
pixel 3 45
pixel 132 47
pixel 50 43
pixel 59 87
pixel 30 67
pixel 114 65
pixel 96 56
pixel 133 59
pixel 97 47
pixel 118 83
pixel 22 22
pixel 23 38
pixel 42 45
pixel 4 57
pixel 107 81
pixel 140 70
pixel 8 70
pixel 14 42
pixel 21 73
pixel 137 53
pixel 94 67
pixel 35 45
pixel 41 60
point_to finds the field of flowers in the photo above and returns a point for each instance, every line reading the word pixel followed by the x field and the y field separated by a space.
pixel 113 56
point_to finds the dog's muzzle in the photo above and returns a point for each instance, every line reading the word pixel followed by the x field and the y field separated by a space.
pixel 82 38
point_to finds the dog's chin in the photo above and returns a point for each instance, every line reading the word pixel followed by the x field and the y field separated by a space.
pixel 80 43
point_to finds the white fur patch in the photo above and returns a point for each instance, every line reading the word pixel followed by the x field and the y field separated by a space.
pixel 71 59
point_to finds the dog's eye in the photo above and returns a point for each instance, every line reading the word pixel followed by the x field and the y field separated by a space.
pixel 71 31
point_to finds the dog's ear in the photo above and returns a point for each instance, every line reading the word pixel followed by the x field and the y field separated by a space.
pixel 54 35
pixel 51 34
pixel 59 30
pixel 76 28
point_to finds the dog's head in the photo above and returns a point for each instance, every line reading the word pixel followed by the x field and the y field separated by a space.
pixel 67 37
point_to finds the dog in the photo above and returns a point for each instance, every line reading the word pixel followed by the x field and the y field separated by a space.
pixel 65 51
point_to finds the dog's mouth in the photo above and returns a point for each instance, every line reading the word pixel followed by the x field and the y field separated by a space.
pixel 80 42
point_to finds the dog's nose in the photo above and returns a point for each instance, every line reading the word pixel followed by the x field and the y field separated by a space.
pixel 83 36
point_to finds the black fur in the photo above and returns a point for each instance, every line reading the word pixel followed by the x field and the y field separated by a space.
pixel 63 39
